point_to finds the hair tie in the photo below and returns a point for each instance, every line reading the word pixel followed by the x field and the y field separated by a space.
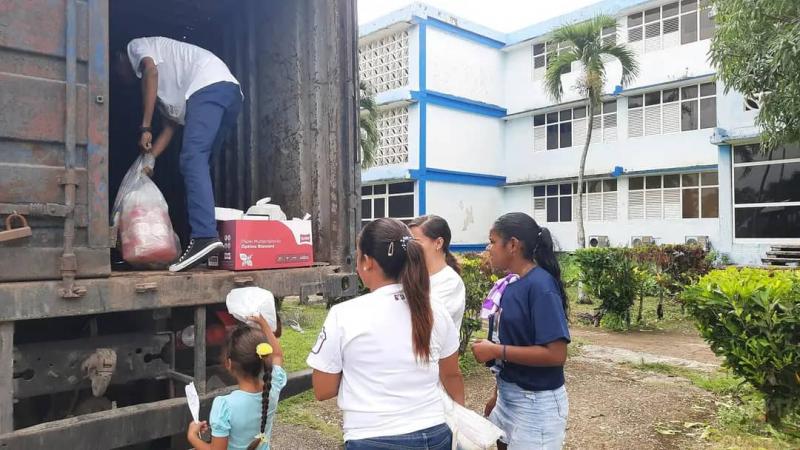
pixel 262 437
pixel 403 243
pixel 263 349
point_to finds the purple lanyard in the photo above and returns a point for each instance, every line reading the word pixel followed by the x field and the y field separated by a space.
pixel 492 302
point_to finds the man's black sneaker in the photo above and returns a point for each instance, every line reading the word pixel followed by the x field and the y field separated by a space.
pixel 198 251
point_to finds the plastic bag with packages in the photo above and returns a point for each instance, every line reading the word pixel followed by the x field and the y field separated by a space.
pixel 142 215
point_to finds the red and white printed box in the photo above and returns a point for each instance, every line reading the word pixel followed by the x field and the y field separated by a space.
pixel 264 244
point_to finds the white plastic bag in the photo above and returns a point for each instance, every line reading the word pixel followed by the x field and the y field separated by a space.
pixel 146 235
pixel 249 301
pixel 471 431
pixel 144 163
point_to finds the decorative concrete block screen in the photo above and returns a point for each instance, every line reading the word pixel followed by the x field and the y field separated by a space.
pixel 393 131
pixel 383 63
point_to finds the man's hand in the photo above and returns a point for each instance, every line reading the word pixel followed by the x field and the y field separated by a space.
pixel 146 141
pixel 485 350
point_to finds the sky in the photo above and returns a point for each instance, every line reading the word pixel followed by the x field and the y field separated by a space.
pixel 501 15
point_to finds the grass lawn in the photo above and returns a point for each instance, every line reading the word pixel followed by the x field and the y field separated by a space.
pixel 296 346
pixel 674 319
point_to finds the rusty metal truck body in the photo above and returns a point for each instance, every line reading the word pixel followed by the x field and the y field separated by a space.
pixel 68 134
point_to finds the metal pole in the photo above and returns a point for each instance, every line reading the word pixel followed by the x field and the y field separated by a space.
pixel 6 377
pixel 200 349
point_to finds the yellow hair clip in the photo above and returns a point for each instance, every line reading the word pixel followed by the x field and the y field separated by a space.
pixel 263 349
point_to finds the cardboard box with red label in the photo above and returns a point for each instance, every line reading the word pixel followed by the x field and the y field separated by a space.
pixel 264 244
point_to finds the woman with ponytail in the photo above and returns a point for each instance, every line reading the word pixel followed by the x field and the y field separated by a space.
pixel 447 288
pixel 384 353
pixel 529 339
pixel 242 420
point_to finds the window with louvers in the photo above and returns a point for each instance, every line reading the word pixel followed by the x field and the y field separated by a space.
pixel 559 202
pixel 543 53
pixel 675 196
pixel 672 110
pixel 670 25
pixel 383 63
pixel 567 127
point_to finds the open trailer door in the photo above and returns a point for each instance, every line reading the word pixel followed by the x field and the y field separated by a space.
pixel 53 137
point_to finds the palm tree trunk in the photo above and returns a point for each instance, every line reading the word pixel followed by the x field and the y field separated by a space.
pixel 581 170
pixel 582 297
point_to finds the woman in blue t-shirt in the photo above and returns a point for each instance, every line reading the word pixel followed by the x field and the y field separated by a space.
pixel 529 338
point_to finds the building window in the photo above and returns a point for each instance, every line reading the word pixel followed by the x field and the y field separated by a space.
pixel 394 200
pixel 567 127
pixel 383 63
pixel 673 110
pixel 670 25
pixel 543 54
pixel 552 203
pixel 766 192
pixel 559 202
pixel 676 196
pixel 393 137
pixel 600 200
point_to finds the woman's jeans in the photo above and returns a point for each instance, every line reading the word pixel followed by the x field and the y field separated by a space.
pixel 531 419
pixel 435 438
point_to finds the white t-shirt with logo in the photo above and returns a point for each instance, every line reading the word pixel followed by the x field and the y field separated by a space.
pixel 448 289
pixel 183 69
pixel 384 390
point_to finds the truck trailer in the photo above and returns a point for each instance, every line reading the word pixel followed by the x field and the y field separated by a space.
pixel 94 354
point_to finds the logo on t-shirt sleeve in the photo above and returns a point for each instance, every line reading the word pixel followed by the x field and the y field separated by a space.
pixel 320 341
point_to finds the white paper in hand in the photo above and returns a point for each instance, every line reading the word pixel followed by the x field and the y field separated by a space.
pixel 194 401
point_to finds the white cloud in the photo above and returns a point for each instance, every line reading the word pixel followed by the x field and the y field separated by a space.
pixel 500 15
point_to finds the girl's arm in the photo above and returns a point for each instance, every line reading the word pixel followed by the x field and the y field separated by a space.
pixel 277 351
pixel 450 376
pixel 552 354
pixel 326 385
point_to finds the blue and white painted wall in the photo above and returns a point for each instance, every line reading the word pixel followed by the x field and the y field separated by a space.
pixel 484 138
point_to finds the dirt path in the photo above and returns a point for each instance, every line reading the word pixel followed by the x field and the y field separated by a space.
pixel 612 406
pixel 663 343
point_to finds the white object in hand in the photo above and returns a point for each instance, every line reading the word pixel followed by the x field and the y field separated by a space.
pixel 194 401
pixel 246 302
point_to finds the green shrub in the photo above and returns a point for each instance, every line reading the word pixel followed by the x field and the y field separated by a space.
pixel 682 264
pixel 751 317
pixel 570 272
pixel 478 280
pixel 608 274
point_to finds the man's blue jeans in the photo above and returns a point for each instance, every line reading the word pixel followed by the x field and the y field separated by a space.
pixel 436 438
pixel 211 113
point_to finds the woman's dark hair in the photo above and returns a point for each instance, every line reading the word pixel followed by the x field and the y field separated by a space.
pixel 435 227
pixel 390 243
pixel 241 350
pixel 537 245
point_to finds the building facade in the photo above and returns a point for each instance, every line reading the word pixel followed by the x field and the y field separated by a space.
pixel 468 132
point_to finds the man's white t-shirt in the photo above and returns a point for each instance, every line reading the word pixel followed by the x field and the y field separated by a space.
pixel 183 69
pixel 384 390
pixel 448 289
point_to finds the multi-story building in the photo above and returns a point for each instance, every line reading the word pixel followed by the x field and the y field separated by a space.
pixel 468 132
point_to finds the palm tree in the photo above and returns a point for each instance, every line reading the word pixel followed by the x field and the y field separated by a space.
pixel 586 45
pixel 368 124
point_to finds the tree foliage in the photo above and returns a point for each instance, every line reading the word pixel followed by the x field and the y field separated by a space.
pixel 368 124
pixel 756 49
